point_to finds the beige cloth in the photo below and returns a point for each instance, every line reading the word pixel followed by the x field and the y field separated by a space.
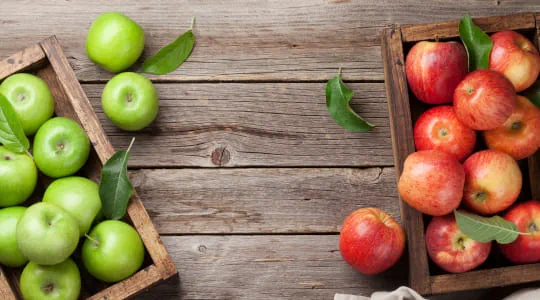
pixel 405 293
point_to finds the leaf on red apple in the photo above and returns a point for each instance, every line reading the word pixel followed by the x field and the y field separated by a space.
pixel 171 56
pixel 477 43
pixel 115 188
pixel 338 97
pixel 11 132
pixel 533 93
pixel 484 229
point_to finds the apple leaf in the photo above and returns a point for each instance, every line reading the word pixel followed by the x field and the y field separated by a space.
pixel 11 132
pixel 533 93
pixel 171 56
pixel 115 188
pixel 477 43
pixel 484 229
pixel 338 97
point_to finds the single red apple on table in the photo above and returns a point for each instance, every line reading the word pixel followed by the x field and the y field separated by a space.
pixel 432 182
pixel 519 136
pixel 492 181
pixel 371 241
pixel 484 100
pixel 516 57
pixel 451 249
pixel 439 129
pixel 434 69
pixel 526 248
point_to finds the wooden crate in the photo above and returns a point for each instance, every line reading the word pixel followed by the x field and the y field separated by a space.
pixel 48 61
pixel 404 109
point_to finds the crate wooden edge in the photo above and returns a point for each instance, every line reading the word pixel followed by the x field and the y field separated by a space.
pixel 163 266
pixel 403 145
pixel 443 30
pixel 397 95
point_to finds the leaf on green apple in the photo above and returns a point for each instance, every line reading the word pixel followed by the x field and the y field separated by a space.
pixel 484 229
pixel 171 56
pixel 338 97
pixel 115 188
pixel 11 132
pixel 477 43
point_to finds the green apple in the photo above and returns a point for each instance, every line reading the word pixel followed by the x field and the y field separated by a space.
pixel 57 282
pixel 31 99
pixel 130 101
pixel 78 196
pixel 47 234
pixel 113 252
pixel 114 41
pixel 9 253
pixel 61 147
pixel 18 177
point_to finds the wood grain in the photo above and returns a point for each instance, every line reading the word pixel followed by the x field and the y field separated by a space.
pixel 289 200
pixel 6 291
pixel 25 59
pixel 245 124
pixel 403 144
pixel 245 40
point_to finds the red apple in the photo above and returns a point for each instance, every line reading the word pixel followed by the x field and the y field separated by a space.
pixel 492 181
pixel 516 57
pixel 434 69
pixel 371 241
pixel 519 136
pixel 432 182
pixel 484 100
pixel 451 249
pixel 526 248
pixel 439 129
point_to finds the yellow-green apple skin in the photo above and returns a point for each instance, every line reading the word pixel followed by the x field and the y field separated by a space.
pixel 114 41
pixel 18 177
pixel 47 234
pixel 31 99
pixel 130 101
pixel 79 196
pixel 10 255
pixel 113 252
pixel 61 147
pixel 56 282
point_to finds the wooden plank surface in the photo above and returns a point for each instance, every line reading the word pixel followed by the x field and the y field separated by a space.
pixel 286 200
pixel 253 124
pixel 246 40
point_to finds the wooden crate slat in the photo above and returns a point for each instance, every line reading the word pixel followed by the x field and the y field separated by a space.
pixel 135 284
pixel 6 291
pixel 28 58
pixel 403 145
pixel 413 33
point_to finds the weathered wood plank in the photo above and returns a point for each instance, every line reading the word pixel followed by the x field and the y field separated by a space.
pixel 254 124
pixel 282 200
pixel 245 40
pixel 272 267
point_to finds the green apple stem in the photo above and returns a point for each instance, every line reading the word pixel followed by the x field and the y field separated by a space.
pixel 192 23
pixel 131 144
pixel 96 242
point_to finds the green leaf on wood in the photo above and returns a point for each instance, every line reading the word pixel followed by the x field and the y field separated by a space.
pixel 171 56
pixel 11 132
pixel 115 188
pixel 477 43
pixel 484 229
pixel 338 97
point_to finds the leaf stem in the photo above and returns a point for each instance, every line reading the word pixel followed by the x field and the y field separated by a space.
pixel 339 72
pixel 192 23
pixel 131 144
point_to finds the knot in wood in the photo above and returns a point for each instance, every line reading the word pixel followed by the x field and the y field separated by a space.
pixel 221 156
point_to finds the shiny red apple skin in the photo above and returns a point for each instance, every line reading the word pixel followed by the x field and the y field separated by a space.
pixel 434 69
pixel 516 57
pixel 484 100
pixel 526 248
pixel 519 136
pixel 492 181
pixel 371 241
pixel 432 182
pixel 451 249
pixel 439 129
